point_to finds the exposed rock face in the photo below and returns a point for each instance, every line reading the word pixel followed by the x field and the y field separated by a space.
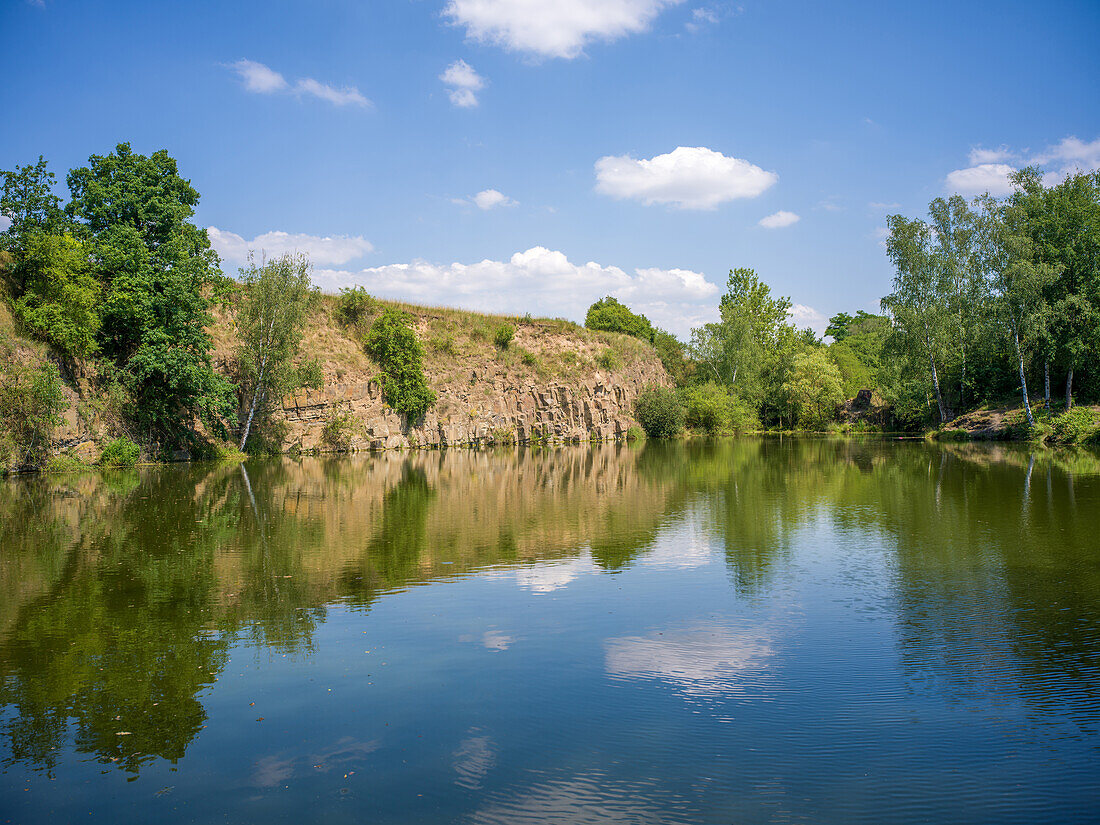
pixel 599 408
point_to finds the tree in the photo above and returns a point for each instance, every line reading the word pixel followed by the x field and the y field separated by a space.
pixel 610 315
pixel 915 305
pixel 60 300
pixel 277 297
pixel 155 267
pixel 28 201
pixel 393 344
pixel 814 388
pixel 1017 280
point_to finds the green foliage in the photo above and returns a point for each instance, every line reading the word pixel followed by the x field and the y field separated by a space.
pixel 635 433
pixel 530 359
pixel 60 300
pixel 339 431
pixel 120 452
pixel 392 343
pixel 58 464
pixel 608 361
pixel 32 400
pixel 814 389
pixel 502 335
pixel 1079 425
pixel 609 315
pixel 133 214
pixel 673 356
pixel 713 409
pixel 659 412
pixel 354 305
pixel 277 298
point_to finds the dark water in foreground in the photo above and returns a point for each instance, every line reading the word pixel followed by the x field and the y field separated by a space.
pixel 749 631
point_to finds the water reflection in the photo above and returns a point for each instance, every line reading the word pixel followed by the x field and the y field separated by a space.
pixel 758 572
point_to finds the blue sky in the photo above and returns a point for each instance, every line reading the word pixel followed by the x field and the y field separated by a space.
pixel 534 155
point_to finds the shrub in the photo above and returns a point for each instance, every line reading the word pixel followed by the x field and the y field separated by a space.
pixel 713 409
pixel 392 342
pixel 503 335
pixel 63 464
pixel 121 452
pixel 339 431
pixel 814 388
pixel 310 373
pixel 635 433
pixel 659 412
pixel 609 315
pixel 444 344
pixel 608 360
pixel 530 359
pixel 1079 425
pixel 353 305
pixel 31 402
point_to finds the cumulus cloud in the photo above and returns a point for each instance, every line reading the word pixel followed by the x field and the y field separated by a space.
pixel 540 278
pixel 552 28
pixel 5 222
pixel 687 178
pixel 779 220
pixel 1070 155
pixel 264 80
pixel 491 198
pixel 463 84
pixel 322 250
pixel 700 18
pixel 259 78
pixel 985 177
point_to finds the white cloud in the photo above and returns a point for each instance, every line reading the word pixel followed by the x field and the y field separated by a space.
pixel 779 220
pixel 687 177
pixel 347 96
pixel 978 155
pixel 881 205
pixel 985 177
pixel 5 222
pixel 491 198
pixel 552 28
pixel 259 78
pixel 805 316
pixel 543 281
pixel 1069 156
pixel 264 80
pixel 323 251
pixel 700 18
pixel 464 84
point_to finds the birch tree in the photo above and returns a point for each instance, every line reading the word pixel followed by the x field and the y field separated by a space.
pixel 915 305
pixel 277 298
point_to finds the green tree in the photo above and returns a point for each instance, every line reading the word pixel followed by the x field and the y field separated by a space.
pixel 277 298
pixel 28 201
pixel 156 267
pixel 814 388
pixel 60 301
pixel 393 344
pixel 610 315
pixel 659 412
pixel 916 306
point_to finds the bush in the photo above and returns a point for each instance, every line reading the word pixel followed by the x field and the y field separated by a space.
pixel 711 408
pixel 609 315
pixel 339 431
pixel 530 359
pixel 121 452
pixel 659 412
pixel 31 402
pixel 815 389
pixel 503 335
pixel 635 433
pixel 1076 426
pixel 608 360
pixel 353 305
pixel 392 342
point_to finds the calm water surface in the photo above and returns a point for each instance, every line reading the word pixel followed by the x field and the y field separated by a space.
pixel 739 632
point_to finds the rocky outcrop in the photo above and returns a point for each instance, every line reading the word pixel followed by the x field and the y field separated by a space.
pixel 491 410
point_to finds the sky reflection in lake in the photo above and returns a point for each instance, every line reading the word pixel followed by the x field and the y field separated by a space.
pixel 825 631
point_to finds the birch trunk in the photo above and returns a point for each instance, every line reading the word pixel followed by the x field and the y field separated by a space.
pixel 1069 389
pixel 1046 384
pixel 1023 378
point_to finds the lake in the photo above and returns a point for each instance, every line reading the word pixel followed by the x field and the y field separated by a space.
pixel 748 631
